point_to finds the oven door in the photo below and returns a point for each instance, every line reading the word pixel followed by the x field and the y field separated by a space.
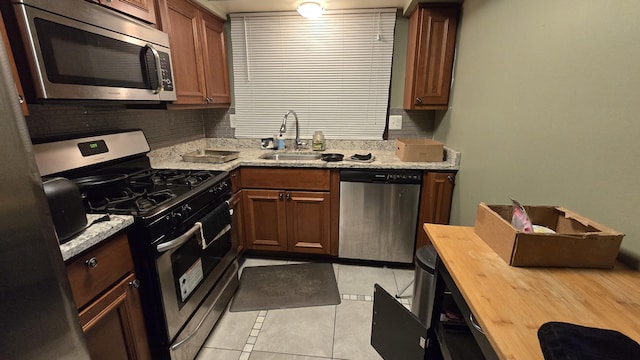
pixel 190 263
pixel 85 54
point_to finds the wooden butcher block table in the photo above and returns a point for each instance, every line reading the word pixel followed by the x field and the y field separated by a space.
pixel 511 303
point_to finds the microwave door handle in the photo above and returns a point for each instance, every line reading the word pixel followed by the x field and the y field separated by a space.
pixel 156 58
pixel 179 240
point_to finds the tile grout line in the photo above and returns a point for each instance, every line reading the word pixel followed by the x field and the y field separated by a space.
pixel 369 298
pixel 333 338
pixel 253 335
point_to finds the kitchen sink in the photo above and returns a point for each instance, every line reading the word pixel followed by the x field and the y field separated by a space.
pixel 291 156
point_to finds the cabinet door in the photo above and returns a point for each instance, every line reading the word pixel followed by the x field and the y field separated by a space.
pixel 186 52
pixel 215 60
pixel 113 324
pixel 430 62
pixel 265 220
pixel 308 222
pixel 435 202
pixel 237 230
pixel 142 9
pixel 19 92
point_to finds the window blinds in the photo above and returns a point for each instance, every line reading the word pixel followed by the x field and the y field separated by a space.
pixel 334 72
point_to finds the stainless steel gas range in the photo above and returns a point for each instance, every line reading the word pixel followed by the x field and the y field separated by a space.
pixel 180 239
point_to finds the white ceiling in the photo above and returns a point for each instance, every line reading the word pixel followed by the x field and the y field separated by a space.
pixel 224 7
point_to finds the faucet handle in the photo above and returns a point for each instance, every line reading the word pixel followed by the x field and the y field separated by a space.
pixel 303 144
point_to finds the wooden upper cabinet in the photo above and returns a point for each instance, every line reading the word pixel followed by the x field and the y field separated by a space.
pixel 19 92
pixel 186 52
pixel 215 60
pixel 141 9
pixel 431 48
pixel 198 54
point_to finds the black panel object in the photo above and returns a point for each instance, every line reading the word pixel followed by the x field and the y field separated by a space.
pixel 396 333
pixel 564 341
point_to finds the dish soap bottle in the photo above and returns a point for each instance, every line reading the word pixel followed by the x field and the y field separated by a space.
pixel 318 143
pixel 280 141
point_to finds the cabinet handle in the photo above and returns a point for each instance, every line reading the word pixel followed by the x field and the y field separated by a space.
pixel 280 196
pixel 288 196
pixel 419 100
pixel 135 283
pixel 20 99
pixel 450 178
pixel 208 100
pixel 475 324
pixel 91 263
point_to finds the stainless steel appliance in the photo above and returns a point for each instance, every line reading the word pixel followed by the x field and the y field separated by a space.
pixel 39 318
pixel 78 50
pixel 378 214
pixel 180 240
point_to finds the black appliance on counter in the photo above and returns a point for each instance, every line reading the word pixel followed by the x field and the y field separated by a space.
pixel 180 239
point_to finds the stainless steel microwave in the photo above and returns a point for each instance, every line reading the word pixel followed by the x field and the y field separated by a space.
pixel 81 51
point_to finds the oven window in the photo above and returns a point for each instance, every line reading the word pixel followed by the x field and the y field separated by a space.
pixel 191 264
pixel 73 56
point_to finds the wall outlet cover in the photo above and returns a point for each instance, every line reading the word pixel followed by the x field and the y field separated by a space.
pixel 232 121
pixel 395 122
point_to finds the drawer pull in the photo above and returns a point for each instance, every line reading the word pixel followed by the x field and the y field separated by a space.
pixel 475 323
pixel 135 283
pixel 92 263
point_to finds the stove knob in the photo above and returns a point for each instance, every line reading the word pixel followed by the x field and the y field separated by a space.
pixel 186 210
pixel 176 218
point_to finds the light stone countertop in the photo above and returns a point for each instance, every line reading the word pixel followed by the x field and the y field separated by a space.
pixel 250 152
pixel 94 234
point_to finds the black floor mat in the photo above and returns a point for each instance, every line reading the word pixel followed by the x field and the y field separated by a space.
pixel 286 286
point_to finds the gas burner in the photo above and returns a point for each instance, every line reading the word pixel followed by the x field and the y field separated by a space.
pixel 113 200
pixel 171 178
pixel 151 200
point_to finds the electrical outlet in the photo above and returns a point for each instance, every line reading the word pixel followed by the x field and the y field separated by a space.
pixel 232 120
pixel 395 122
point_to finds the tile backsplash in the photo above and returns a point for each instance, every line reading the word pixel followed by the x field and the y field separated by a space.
pixel 161 127
pixel 414 124
pixel 165 128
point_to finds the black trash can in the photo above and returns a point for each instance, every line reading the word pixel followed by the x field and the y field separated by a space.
pixel 424 284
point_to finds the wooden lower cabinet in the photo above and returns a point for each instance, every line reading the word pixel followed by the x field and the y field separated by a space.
pixel 113 324
pixel 435 202
pixel 284 220
pixel 237 228
pixel 105 290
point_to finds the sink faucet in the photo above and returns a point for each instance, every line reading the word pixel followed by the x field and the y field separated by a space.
pixel 283 128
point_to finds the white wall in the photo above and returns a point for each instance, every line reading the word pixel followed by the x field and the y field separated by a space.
pixel 546 108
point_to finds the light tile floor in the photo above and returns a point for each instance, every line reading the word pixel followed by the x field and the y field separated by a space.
pixel 337 332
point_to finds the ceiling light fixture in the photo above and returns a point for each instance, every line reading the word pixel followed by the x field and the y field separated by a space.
pixel 310 10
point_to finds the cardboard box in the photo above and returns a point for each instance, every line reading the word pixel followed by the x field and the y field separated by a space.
pixel 578 242
pixel 419 149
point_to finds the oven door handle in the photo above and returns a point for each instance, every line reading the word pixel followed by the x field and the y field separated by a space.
pixel 179 240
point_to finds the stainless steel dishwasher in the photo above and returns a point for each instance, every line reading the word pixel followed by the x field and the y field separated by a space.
pixel 379 214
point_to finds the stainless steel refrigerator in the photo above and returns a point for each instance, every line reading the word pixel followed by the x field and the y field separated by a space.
pixel 38 317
